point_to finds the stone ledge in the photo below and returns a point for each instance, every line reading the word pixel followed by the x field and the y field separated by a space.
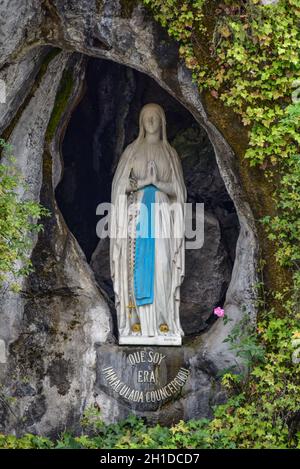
pixel 158 340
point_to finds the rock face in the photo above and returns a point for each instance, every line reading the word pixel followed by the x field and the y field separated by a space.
pixel 103 123
pixel 179 388
pixel 57 335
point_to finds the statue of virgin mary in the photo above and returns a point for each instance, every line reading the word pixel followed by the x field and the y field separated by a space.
pixel 147 237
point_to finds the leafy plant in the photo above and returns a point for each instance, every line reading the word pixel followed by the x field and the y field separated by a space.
pixel 248 58
pixel 244 342
pixel 18 223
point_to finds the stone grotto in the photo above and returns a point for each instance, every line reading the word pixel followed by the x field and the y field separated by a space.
pixel 77 75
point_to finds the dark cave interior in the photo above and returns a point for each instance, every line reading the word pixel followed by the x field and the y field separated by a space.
pixel 104 122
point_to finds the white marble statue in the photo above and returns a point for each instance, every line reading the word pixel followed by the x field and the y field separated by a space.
pixel 147 270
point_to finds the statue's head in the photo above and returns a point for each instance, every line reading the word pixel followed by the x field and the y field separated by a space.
pixel 152 118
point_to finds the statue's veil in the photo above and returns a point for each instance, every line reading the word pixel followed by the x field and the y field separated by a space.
pixel 118 222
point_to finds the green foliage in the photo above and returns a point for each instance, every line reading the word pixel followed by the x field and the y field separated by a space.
pixel 131 433
pixel 262 410
pixel 178 17
pixel 28 441
pixel 253 67
pixel 251 63
pixel 244 342
pixel 246 55
pixel 263 414
pixel 17 223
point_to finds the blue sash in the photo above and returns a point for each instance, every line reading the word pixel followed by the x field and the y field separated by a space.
pixel 145 251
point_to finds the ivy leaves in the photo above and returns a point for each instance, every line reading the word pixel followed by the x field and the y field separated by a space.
pixel 18 223
pixel 253 67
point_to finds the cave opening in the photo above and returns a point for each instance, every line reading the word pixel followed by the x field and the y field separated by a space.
pixel 103 123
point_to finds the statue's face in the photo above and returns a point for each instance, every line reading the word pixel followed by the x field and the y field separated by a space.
pixel 151 121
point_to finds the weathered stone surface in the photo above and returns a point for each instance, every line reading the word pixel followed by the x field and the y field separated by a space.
pixel 20 20
pixel 19 78
pixel 207 278
pixel 182 384
pixel 2 351
pixel 104 122
pixel 208 273
pixel 51 329
pixel 27 139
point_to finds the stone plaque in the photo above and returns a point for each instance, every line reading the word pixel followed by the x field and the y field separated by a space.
pixel 142 378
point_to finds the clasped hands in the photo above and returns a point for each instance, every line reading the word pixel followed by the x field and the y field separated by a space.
pixel 151 176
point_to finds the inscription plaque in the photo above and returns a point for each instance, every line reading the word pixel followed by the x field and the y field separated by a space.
pixel 142 379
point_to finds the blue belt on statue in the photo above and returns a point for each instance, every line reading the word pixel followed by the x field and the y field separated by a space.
pixel 145 251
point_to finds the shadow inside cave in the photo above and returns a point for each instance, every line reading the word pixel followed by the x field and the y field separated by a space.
pixel 104 122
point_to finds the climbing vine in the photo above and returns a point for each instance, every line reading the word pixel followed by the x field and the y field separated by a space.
pixel 246 55
pixel 18 223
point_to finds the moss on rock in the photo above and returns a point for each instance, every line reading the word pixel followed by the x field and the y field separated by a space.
pixel 61 101
pixel 258 190
pixel 127 7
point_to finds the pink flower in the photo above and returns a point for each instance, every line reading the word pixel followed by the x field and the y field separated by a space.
pixel 219 312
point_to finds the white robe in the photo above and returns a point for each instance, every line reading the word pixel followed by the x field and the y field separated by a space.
pixel 169 251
